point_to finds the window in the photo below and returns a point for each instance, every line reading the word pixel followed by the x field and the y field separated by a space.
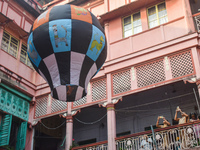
pixel 157 15
pixel 13 129
pixel 9 44
pixel 24 56
pixel 132 24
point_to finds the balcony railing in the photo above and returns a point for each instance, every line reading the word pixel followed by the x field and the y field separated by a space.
pixel 185 136
pixel 177 137
pixel 96 146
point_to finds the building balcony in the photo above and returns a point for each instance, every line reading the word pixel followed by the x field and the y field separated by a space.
pixel 184 136
pixel 133 79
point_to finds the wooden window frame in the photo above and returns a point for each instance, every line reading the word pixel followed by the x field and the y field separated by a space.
pixel 25 57
pixel 131 23
pixel 9 44
pixel 157 17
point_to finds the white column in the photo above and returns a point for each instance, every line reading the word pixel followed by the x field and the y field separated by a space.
pixel 111 126
pixel 69 132
pixel 69 127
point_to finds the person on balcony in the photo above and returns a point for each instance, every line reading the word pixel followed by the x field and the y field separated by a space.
pixel 165 141
pixel 146 143
pixel 184 117
pixel 196 127
pixel 165 122
pixel 193 117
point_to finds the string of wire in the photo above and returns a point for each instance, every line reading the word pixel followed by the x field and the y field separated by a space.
pixel 54 127
pixel 123 109
pixel 91 122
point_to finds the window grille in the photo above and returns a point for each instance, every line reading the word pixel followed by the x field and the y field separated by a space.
pixel 80 102
pixel 9 44
pixel 41 107
pixel 157 15
pixel 150 73
pixel 24 56
pixel 99 90
pixel 121 82
pixel 132 24
pixel 57 105
pixel 181 64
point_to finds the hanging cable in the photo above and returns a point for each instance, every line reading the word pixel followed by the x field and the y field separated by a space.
pixel 54 127
pixel 91 122
pixel 156 101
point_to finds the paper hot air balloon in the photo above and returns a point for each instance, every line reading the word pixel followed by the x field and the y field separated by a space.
pixel 67 47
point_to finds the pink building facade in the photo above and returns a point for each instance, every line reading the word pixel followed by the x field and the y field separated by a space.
pixel 152 66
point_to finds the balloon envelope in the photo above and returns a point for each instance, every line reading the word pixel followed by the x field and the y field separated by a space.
pixel 67 47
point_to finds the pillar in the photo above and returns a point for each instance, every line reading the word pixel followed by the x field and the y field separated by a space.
pixel 106 6
pixel 31 128
pixel 111 126
pixel 106 26
pixel 198 88
pixel 188 16
pixel 1 34
pixel 69 126
pixel 69 132
pixel 30 138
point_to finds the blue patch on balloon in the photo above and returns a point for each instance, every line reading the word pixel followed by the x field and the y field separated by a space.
pixel 32 52
pixel 60 35
pixel 97 43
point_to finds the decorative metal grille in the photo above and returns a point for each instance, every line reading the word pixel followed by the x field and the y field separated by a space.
pixel 99 90
pixel 150 73
pixel 13 104
pixel 57 105
pixel 41 106
pixel 181 64
pixel 96 147
pixel 80 101
pixel 121 82
pixel 185 137
pixel 197 19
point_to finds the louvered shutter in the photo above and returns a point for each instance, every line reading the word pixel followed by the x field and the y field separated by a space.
pixel 5 129
pixel 21 136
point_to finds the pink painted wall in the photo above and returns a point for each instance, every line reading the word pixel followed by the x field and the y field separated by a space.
pixel 14 16
pixel 17 13
pixel 174 9
pixel 176 27
pixel 116 3
pixel 115 30
pixel 97 10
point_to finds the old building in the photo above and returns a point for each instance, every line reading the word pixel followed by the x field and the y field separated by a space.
pixel 17 77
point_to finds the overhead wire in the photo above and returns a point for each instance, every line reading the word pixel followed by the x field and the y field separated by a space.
pixel 54 127
pixel 91 122
pixel 166 99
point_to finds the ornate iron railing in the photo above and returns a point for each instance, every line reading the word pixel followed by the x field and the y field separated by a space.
pixel 178 137
pixel 171 138
pixel 96 146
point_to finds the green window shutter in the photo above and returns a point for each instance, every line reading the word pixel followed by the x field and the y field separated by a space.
pixel 21 136
pixel 5 129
